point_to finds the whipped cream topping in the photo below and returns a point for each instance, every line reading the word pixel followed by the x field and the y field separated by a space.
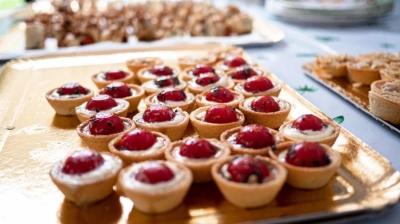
pixel 277 86
pixel 179 117
pixel 295 133
pixel 189 97
pixel 282 104
pixel 160 142
pixel 56 95
pixel 223 81
pixel 122 105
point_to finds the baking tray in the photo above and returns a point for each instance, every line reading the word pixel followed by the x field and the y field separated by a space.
pixel 357 95
pixel 33 138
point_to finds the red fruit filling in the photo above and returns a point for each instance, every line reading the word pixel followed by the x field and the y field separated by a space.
pixel 307 154
pixel 255 136
pixel 197 148
pixel 114 74
pixel 105 123
pixel 82 161
pixel 242 73
pixel 265 104
pixel 117 90
pixel 308 122
pixel 234 61
pixel 138 139
pixel 207 79
pixel 154 172
pixel 243 167
pixel 175 95
pixel 72 88
pixel 161 70
pixel 220 114
pixel 87 39
pixel 158 113
pixel 201 69
pixel 166 81
pixel 220 94
pixel 101 102
pixel 258 84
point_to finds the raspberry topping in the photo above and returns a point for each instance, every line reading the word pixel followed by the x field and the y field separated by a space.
pixel 158 113
pixel 207 79
pixel 307 154
pixel 162 82
pixel 258 84
pixel 72 88
pixel 101 102
pixel 197 148
pixel 161 70
pixel 114 74
pixel 220 94
pixel 243 72
pixel 234 61
pixel 243 167
pixel 105 123
pixel 117 90
pixel 201 69
pixel 220 114
pixel 265 104
pixel 154 172
pixel 175 95
pixel 255 136
pixel 82 161
pixel 138 139
pixel 87 39
pixel 308 122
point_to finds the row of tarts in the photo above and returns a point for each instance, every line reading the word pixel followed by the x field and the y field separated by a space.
pixel 249 164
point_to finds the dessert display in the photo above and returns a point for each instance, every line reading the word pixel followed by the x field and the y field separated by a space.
pixel 332 65
pixel 242 73
pixel 365 70
pixel 233 61
pixel 101 128
pixel 160 118
pixel 86 176
pixel 129 92
pixel 102 79
pixel 206 81
pixel 136 64
pixel 172 98
pixel 139 145
pixel 198 154
pixel 151 73
pixel 253 139
pixel 310 165
pixel 193 60
pixel 258 86
pixel 211 121
pixel 155 186
pixel 101 103
pixel 217 95
pixel 309 127
pixel 223 51
pixel 161 83
pixel 266 110
pixel 249 181
pixel 391 72
pixel 195 71
pixel 384 100
pixel 67 97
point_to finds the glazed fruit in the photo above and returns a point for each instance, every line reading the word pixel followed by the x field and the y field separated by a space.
pixel 308 122
pixel 117 90
pixel 71 88
pixel 244 169
pixel 234 61
pixel 171 95
pixel 162 70
pixel 307 154
pixel 197 148
pixel 255 136
pixel 158 113
pixel 105 123
pixel 220 94
pixel 154 172
pixel 162 82
pixel 138 139
pixel 243 72
pixel 82 161
pixel 258 84
pixel 101 102
pixel 114 74
pixel 265 104
pixel 201 69
pixel 220 114
pixel 207 79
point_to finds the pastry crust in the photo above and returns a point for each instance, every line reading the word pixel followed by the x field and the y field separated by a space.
pixel 138 63
pixel 271 92
pixel 384 104
pixel 123 112
pixel 257 69
pixel 149 91
pixel 220 65
pixel 332 66
pixel 134 99
pixel 391 72
pixel 193 60
pixel 364 71
pixel 185 106
pixel 145 78
pixel 201 100
pixel 100 83
pixel 67 106
pixel 195 90
pixel 223 51
pixel 186 76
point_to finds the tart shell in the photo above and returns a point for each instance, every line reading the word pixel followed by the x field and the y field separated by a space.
pixel 234 103
pixel 385 106
pixel 363 76
pixel 185 106
pixel 271 92
pixel 196 91
pixel 67 106
pixel 207 60
pixel 122 113
pixel 337 71
pixel 143 78
pixel 135 64
pixel 133 100
pixel 103 83
pixel 149 91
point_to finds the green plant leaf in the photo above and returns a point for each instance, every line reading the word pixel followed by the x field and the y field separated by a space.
pixel 306 55
pixel 326 38
pixel 339 119
pixel 262 57
pixel 305 88
pixel 387 45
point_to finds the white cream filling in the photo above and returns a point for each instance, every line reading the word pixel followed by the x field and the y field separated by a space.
pixel 276 87
pixel 160 142
pixel 56 95
pixel 151 85
pixel 308 134
pixel 281 103
pixel 189 97
pixel 223 81
pixel 179 117
pixel 176 150
pixel 122 104
pixel 148 74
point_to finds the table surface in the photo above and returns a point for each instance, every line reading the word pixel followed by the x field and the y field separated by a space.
pixel 302 43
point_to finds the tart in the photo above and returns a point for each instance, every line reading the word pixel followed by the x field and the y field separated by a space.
pixel 160 118
pixel 193 60
pixel 102 79
pixel 206 81
pixel 217 95
pixel 253 139
pixel 242 73
pixel 195 71
pixel 129 92
pixel 161 83
pixel 139 145
pixel 198 154
pixel 155 186
pixel 391 72
pixel 364 71
pixel 67 97
pixel 222 52
pixel 332 65
pixel 172 98
pixel 310 165
pixel 309 127
pixel 211 121
pixel 139 63
pixel 233 61
pixel 384 100
pixel 153 72
pixel 86 176
pixel 100 129
pixel 258 86
pixel 249 181
pixel 101 103
pixel 267 110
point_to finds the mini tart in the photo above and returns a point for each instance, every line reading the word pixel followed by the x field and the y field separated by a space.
pixel 100 142
pixel 134 99
pixel 66 105
pixel 271 119
pixel 153 153
pixel 138 63
pixel 223 51
pixel 365 71
pixel 174 130
pixel 385 104
pixel 307 177
pixel 102 83
pixel 156 198
pixel 201 168
pixel 274 91
pixel 144 75
pixel 186 74
pixel 247 195
pixel 193 60
pixel 391 72
pixel 121 110
pixel 186 105
pixel 220 65
pixel 151 88
pixel 201 100
pixel 223 81
pixel 257 69
pixel 332 66
pixel 229 135
pixel 212 130
pixel 88 187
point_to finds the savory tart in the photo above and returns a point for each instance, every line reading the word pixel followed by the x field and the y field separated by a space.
pixel 384 100
pixel 217 95
pixel 206 81
pixel 364 70
pixel 172 98
pixel 129 92
pixel 391 72
pixel 332 65
pixel 161 83
pixel 102 79
pixel 150 73
pixel 258 86
pixel 193 60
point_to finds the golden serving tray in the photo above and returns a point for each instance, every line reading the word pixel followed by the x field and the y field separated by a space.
pixel 33 138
